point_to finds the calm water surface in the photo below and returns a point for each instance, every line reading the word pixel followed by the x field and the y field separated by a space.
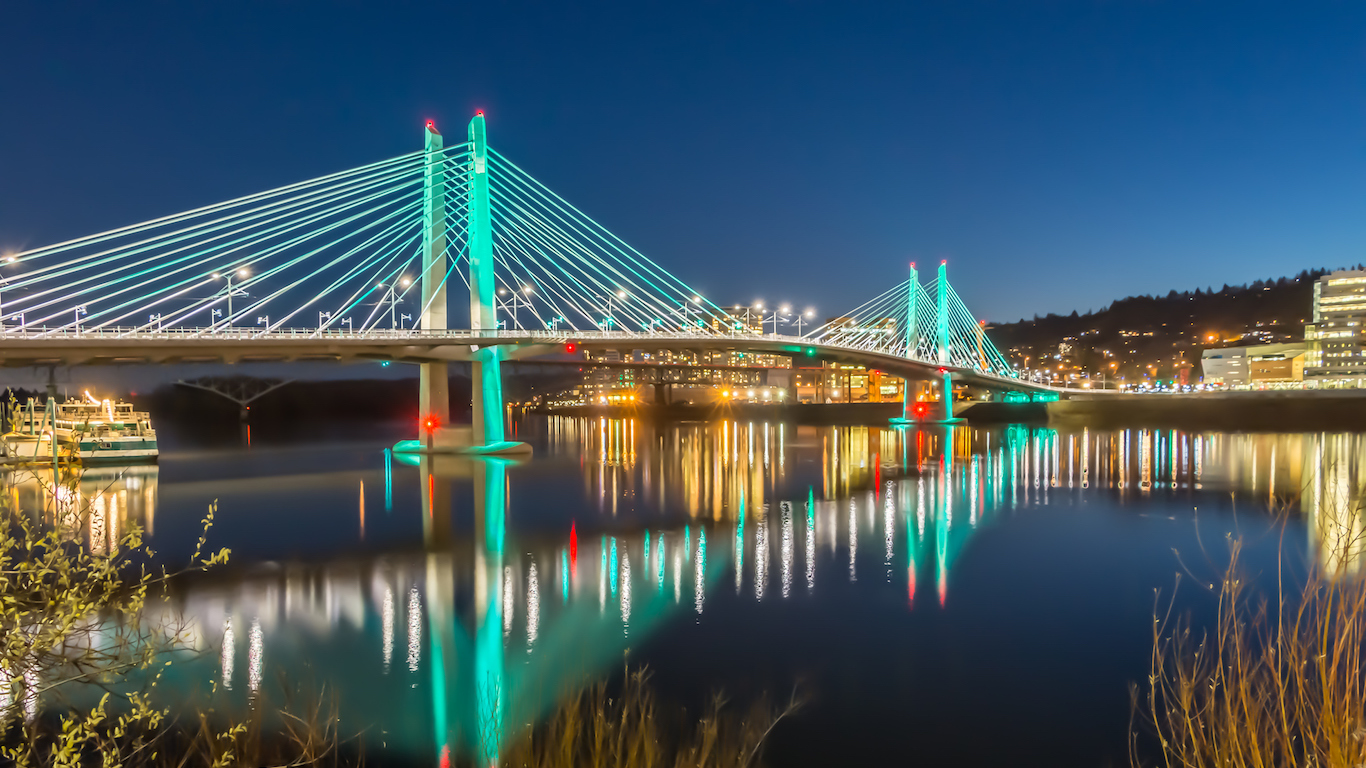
pixel 952 596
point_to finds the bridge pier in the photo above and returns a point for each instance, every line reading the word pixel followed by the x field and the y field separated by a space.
pixel 485 435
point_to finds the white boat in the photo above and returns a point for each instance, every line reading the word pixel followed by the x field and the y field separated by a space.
pixel 93 430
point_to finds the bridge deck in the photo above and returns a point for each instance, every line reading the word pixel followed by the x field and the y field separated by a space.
pixel 106 346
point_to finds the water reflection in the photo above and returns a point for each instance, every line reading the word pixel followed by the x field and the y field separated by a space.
pixel 489 646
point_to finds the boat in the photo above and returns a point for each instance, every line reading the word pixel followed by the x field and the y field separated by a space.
pixel 92 430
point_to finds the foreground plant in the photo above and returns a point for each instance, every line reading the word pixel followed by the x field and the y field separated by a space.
pixel 1272 685
pixel 75 620
pixel 627 730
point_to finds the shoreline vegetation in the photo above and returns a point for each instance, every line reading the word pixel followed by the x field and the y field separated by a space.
pixel 1278 678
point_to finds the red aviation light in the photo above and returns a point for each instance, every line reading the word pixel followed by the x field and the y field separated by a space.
pixel 920 409
pixel 431 423
pixel 571 347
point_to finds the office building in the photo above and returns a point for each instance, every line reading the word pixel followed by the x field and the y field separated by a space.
pixel 1336 339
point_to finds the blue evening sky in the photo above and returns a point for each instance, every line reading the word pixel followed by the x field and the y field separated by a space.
pixel 1058 154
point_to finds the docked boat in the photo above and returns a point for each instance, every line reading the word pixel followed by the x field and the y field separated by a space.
pixel 92 430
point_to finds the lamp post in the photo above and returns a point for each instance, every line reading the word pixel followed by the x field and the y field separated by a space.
pixel 349 327
pixel 608 321
pixel 323 319
pixel 770 319
pixel 155 319
pixel 401 318
pixel 554 323
pixel 79 312
pixel 803 319
pixel 264 320
pixel 241 273
pixel 517 300
pixel 391 298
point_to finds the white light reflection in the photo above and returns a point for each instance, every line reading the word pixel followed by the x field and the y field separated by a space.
pixel 678 574
pixel 414 629
pixel 972 490
pixel 533 607
pixel 229 652
pixel 626 593
pixel 853 539
pixel 699 564
pixel 507 601
pixel 31 682
pixel 387 626
pixel 920 507
pixel 255 651
pixel 760 558
pixel 786 508
pixel 888 526
pixel 810 546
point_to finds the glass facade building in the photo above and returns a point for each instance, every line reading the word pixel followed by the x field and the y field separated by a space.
pixel 1336 339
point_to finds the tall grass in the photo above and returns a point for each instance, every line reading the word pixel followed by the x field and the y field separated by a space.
pixel 1277 681
pixel 597 728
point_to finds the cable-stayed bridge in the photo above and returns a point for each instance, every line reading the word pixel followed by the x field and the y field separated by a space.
pixel 359 265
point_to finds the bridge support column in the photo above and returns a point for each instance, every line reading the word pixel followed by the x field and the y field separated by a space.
pixel 433 399
pixel 945 358
pixel 912 342
pixel 487 367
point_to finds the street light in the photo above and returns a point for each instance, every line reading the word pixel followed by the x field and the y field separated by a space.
pixel 323 319
pixel 79 312
pixel 770 319
pixel 608 321
pixel 803 319
pixel 401 318
pixel 391 298
pixel 156 318
pixel 515 302
pixel 241 273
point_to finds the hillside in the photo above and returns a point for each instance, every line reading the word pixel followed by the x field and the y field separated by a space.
pixel 1156 336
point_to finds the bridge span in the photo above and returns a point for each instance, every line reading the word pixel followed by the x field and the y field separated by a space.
pixel 114 346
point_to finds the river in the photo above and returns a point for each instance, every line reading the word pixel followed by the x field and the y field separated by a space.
pixel 951 596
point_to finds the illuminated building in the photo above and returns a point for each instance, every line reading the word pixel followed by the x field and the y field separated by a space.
pixel 1241 366
pixel 1336 355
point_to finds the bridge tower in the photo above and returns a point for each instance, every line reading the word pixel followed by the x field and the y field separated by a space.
pixel 434 401
pixel 912 341
pixel 945 359
pixel 486 429
pixel 486 369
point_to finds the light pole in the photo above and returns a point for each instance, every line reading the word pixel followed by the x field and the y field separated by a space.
pixel 156 318
pixel 264 320
pixel 80 311
pixel 770 319
pixel 608 321
pixel 514 302
pixel 391 298
pixel 401 318
pixel 241 273
pixel 323 319
pixel 803 319
pixel 555 322
pixel 349 327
